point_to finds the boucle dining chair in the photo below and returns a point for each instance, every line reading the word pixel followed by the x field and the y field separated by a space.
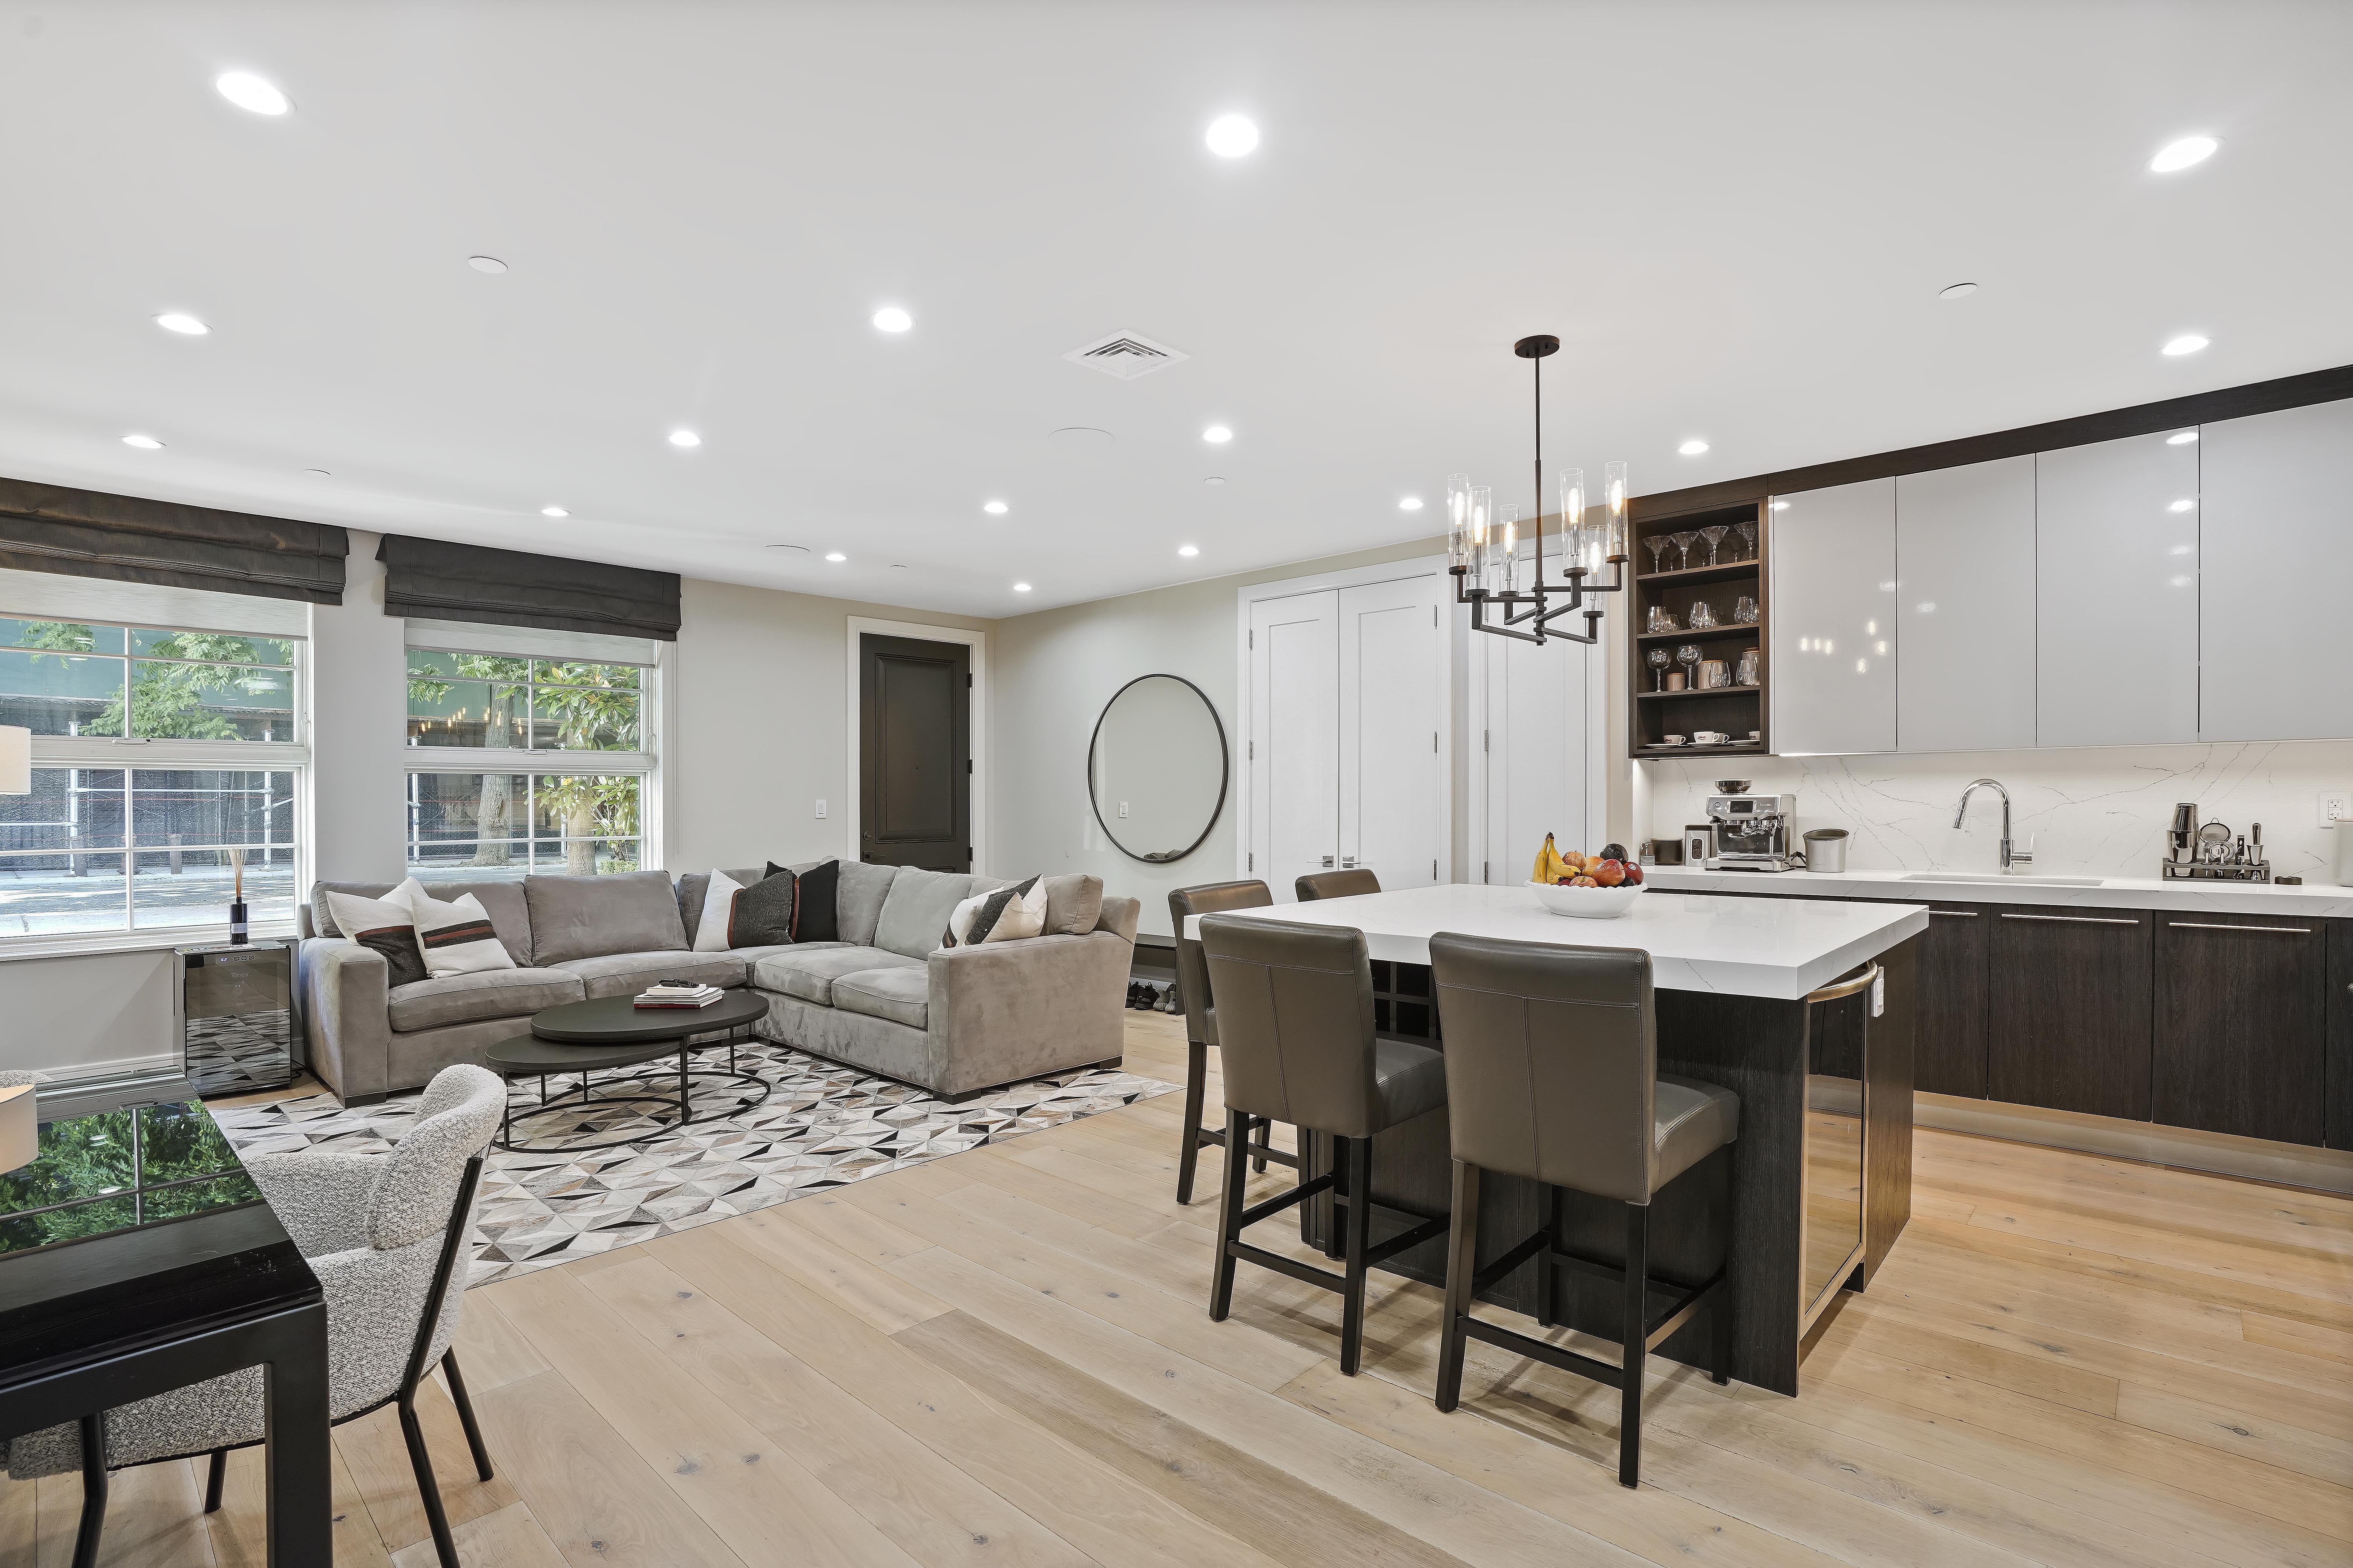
pixel 388 1235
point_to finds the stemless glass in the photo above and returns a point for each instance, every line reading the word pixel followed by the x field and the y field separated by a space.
pixel 1658 659
pixel 1662 620
pixel 1684 542
pixel 1747 531
pixel 1658 543
pixel 1744 611
pixel 1702 617
pixel 1713 533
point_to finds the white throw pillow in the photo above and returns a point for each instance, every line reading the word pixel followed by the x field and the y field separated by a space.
pixel 457 938
pixel 385 926
pixel 718 914
pixel 1020 911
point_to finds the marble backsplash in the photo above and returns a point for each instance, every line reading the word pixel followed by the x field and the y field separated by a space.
pixel 2094 812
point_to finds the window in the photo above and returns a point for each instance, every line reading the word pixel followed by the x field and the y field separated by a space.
pixel 542 765
pixel 164 767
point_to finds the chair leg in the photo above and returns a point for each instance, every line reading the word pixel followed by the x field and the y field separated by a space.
pixel 1719 1311
pixel 1197 1083
pixel 215 1474
pixel 465 1404
pixel 1637 1312
pixel 93 1491
pixel 1229 1213
pixel 428 1487
pixel 1264 1139
pixel 1461 1263
pixel 1359 1152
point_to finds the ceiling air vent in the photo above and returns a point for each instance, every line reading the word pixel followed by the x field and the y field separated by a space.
pixel 1126 355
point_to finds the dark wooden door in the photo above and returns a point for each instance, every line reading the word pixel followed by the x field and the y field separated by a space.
pixel 1953 980
pixel 2068 1024
pixel 2337 1126
pixel 2241 1025
pixel 914 753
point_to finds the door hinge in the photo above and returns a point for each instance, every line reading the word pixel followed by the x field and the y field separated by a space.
pixel 1254 751
pixel 968 683
pixel 1253 636
pixel 1252 862
pixel 1433 870
pixel 1433 617
pixel 1484 865
pixel 1486 740
pixel 968 765
pixel 1433 742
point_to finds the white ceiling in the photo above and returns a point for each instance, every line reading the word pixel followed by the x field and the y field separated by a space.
pixel 1736 218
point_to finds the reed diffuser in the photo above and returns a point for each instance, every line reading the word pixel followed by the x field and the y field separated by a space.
pixel 238 930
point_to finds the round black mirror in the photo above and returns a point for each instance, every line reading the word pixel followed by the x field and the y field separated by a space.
pixel 1157 768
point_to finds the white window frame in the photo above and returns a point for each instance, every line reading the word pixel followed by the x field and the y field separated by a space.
pixel 132 752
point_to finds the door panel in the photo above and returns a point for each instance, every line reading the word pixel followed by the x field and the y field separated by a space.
pixel 1392 785
pixel 2068 1024
pixel 1833 605
pixel 914 767
pixel 1294 741
pixel 1535 739
pixel 1962 538
pixel 2241 1026
pixel 1953 982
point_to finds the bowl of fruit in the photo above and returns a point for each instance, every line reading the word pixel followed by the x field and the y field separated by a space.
pixel 1590 887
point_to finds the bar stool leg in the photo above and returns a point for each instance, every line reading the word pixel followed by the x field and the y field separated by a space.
pixel 1197 1080
pixel 1637 1311
pixel 1229 1213
pixel 1547 1270
pixel 1461 1263
pixel 1264 1139
pixel 1359 1152
pixel 1719 1311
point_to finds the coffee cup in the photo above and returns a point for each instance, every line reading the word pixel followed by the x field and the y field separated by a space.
pixel 1710 737
pixel 1670 740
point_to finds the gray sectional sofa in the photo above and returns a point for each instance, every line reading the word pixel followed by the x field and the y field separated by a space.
pixel 885 997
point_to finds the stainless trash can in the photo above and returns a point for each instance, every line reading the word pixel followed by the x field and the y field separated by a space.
pixel 1825 849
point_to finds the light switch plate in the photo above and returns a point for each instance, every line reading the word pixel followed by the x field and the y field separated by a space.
pixel 820 811
pixel 2335 807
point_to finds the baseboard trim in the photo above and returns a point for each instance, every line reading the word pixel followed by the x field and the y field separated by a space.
pixel 2256 1159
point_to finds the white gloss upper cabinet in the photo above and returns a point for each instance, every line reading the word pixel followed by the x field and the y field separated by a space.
pixel 2277 552
pixel 1833 620
pixel 2115 572
pixel 1965 607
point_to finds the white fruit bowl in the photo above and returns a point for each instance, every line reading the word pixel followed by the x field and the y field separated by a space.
pixel 1587 903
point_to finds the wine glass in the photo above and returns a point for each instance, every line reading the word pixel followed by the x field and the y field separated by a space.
pixel 1658 659
pixel 1658 543
pixel 1688 657
pixel 1684 542
pixel 1713 533
pixel 1747 531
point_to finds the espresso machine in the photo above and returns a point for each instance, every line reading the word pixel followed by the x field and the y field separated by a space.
pixel 1751 832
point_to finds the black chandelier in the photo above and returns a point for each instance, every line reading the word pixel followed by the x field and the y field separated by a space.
pixel 1483 542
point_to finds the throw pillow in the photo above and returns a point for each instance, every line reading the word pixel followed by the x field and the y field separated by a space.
pixel 457 937
pixel 1073 904
pixel 762 915
pixel 1009 914
pixel 718 909
pixel 813 916
pixel 385 926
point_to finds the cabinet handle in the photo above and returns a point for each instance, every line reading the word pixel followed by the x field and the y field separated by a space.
pixel 2204 925
pixel 1952 914
pixel 2076 920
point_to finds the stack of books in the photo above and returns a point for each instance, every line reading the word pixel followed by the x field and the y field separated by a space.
pixel 678 993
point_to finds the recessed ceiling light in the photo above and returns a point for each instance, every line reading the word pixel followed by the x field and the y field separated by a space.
pixel 2184 504
pixel 181 322
pixel 144 443
pixel 1021 587
pixel 684 438
pixel 993 508
pixel 1215 480
pixel 2182 154
pixel 1957 291
pixel 2181 437
pixel 835 555
pixel 1216 434
pixel 2186 343
pixel 1692 447
pixel 247 90
pixel 890 319
pixel 1410 503
pixel 1232 136
pixel 553 511
pixel 1188 549
pixel 489 264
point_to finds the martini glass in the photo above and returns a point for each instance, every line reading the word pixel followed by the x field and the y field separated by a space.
pixel 1658 543
pixel 1684 542
pixel 1713 533
pixel 1747 531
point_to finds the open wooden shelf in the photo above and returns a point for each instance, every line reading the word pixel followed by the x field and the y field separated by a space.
pixel 1750 748
pixel 1723 572
pixel 1649 712
pixel 1704 691
pixel 1737 628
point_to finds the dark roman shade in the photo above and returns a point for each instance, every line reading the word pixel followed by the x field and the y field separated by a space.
pixel 126 538
pixel 426 579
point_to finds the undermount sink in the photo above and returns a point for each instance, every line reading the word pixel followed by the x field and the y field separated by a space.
pixel 1982 876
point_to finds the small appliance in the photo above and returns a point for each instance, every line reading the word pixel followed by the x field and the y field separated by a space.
pixel 1750 832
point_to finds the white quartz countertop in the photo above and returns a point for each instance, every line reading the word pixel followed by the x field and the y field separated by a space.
pixel 1742 947
pixel 2317 901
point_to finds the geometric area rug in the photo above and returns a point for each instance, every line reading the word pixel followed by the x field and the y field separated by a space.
pixel 823 1125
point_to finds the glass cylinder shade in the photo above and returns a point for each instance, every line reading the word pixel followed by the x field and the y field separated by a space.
pixel 1615 540
pixel 1458 520
pixel 1505 556
pixel 1572 520
pixel 1478 509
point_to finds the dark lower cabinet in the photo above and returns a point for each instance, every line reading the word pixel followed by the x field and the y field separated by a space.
pixel 2067 1022
pixel 1950 1043
pixel 2241 1025
pixel 2338 1114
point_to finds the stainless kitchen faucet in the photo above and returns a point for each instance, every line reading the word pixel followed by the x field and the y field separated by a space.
pixel 2010 857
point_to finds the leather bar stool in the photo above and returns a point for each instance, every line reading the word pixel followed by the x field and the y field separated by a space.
pixel 1552 1075
pixel 1295 1028
pixel 1336 884
pixel 1201 1026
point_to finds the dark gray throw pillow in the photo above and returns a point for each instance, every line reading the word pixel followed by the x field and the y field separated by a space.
pixel 762 914
pixel 812 913
pixel 404 964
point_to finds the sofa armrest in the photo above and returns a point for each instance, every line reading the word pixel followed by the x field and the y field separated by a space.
pixel 1118 918
pixel 345 1013
pixel 1005 1011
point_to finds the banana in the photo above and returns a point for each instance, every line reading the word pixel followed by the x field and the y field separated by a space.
pixel 1550 867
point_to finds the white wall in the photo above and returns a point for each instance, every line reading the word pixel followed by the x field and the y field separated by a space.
pixel 89 1016
pixel 2094 812
pixel 359 724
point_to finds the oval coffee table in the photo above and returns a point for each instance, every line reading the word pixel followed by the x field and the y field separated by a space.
pixel 611 1032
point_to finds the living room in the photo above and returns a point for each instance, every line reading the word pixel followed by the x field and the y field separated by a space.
pixel 756 806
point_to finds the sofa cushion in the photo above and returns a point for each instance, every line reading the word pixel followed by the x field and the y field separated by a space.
pixel 916 914
pixel 693 886
pixel 903 994
pixel 809 970
pixel 859 891
pixel 509 915
pixel 627 973
pixel 514 993
pixel 1073 902
pixel 589 917
pixel 385 927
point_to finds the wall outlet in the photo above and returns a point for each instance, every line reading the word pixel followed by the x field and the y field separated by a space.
pixel 2335 807
pixel 820 811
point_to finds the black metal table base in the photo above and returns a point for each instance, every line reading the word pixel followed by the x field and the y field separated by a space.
pixel 681 1099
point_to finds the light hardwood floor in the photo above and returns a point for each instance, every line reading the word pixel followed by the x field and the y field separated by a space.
pixel 1003 1358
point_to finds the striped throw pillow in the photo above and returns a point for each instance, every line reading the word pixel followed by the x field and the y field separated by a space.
pixel 457 938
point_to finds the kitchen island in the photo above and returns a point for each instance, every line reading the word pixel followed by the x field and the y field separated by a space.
pixel 1819 1183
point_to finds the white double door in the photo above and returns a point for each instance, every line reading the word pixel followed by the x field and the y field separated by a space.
pixel 1348 761
pixel 1537 754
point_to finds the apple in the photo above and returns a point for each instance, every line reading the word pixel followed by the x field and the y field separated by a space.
pixel 1609 873
pixel 1614 852
pixel 1584 882
pixel 1562 881
pixel 1633 874
pixel 1572 860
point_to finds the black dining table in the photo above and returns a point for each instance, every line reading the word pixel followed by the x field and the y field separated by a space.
pixel 137 1256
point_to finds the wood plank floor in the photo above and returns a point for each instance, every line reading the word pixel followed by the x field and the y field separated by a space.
pixel 1003 1358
